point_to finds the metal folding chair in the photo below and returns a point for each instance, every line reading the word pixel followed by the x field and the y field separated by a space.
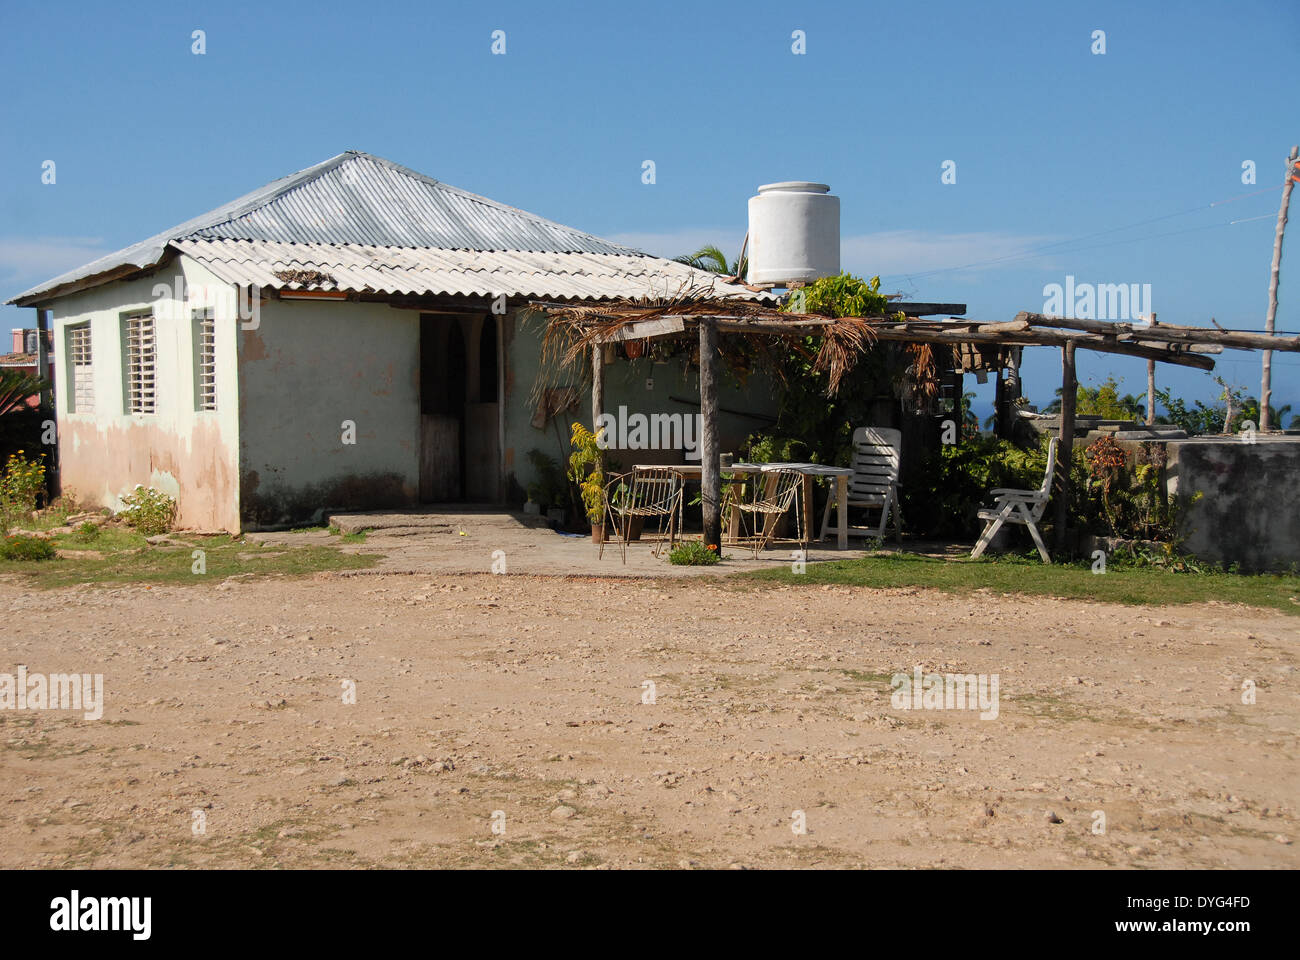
pixel 651 492
pixel 774 492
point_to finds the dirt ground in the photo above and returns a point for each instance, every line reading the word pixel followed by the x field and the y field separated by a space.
pixel 515 702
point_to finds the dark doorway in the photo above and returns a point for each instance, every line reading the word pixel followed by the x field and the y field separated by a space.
pixel 483 417
pixel 442 409
pixel 487 362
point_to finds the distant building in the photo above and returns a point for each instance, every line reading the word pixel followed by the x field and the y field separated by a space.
pixel 23 356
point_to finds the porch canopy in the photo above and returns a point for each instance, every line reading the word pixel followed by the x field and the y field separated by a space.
pixel 575 330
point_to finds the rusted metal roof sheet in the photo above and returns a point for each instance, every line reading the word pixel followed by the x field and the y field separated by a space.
pixel 359 268
pixel 363 200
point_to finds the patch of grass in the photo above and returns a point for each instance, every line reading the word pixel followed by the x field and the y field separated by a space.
pixel 357 537
pixel 22 549
pixel 122 556
pixel 40 521
pixel 1128 585
pixel 1047 707
pixel 113 537
pixel 885 679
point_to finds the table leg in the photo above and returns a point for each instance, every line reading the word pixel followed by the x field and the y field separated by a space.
pixel 842 510
pixel 769 519
pixel 808 507
pixel 733 522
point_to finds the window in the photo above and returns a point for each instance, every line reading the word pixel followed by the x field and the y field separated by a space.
pixel 205 360
pixel 81 380
pixel 141 357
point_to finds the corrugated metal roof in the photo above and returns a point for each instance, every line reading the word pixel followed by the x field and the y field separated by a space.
pixel 354 198
pixel 414 271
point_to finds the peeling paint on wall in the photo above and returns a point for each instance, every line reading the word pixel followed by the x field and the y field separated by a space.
pixel 189 454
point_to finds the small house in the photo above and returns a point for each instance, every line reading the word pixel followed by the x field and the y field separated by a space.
pixel 355 335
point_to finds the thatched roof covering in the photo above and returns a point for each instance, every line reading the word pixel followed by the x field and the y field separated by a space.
pixel 574 328
pixel 843 338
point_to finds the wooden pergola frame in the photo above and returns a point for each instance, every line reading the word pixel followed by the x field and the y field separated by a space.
pixel 599 324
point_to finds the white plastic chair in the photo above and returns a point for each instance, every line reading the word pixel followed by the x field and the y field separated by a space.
pixel 1019 506
pixel 877 456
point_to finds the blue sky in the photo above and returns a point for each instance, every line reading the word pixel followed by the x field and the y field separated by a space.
pixel 1051 142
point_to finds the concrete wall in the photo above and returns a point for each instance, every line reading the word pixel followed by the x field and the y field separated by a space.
pixel 1249 511
pixel 625 384
pixel 190 455
pixel 307 368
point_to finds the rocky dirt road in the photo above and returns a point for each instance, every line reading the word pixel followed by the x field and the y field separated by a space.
pixel 516 702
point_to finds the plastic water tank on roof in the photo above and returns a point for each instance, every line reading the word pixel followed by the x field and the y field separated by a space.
pixel 794 233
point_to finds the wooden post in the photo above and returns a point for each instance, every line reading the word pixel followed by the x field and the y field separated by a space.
pixel 710 477
pixel 1266 384
pixel 1151 384
pixel 45 322
pixel 998 401
pixel 43 355
pixel 1065 448
pixel 597 389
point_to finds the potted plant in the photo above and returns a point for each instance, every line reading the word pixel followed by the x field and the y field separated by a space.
pixel 587 470
pixel 532 507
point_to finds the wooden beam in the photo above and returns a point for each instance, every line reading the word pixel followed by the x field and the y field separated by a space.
pixel 710 477
pixel 1173 334
pixel 1004 326
pixel 927 309
pixel 1044 338
pixel 646 329
pixel 1010 334
pixel 85 283
pixel 1065 448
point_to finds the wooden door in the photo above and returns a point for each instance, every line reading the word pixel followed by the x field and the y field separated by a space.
pixel 439 458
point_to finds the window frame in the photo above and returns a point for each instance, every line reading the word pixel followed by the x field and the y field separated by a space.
pixel 204 326
pixel 141 388
pixel 79 394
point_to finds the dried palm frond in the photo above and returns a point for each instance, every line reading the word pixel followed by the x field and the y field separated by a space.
pixel 843 341
pixel 573 329
pixel 925 372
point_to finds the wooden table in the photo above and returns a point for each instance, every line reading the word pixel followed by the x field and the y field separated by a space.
pixel 810 472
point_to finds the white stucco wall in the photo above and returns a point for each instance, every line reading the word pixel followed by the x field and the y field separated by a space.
pixel 307 368
pixel 191 455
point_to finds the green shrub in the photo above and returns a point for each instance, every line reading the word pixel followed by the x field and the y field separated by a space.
pixel 943 496
pixel 150 511
pixel 21 485
pixel 550 488
pixel 693 553
pixel 86 532
pixel 26 548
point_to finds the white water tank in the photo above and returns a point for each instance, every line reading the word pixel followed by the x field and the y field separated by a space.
pixel 794 233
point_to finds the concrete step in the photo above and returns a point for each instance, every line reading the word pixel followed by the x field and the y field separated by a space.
pixel 407 523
